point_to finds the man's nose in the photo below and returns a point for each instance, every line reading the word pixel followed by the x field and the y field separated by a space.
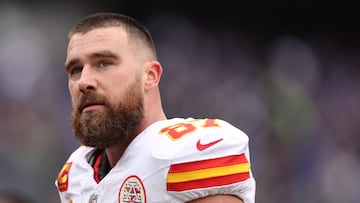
pixel 87 80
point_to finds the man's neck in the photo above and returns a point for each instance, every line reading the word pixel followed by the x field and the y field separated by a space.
pixel 115 152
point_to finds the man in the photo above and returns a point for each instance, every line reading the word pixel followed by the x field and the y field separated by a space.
pixel 130 151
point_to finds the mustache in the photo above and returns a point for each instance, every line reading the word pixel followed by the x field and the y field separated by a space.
pixel 88 99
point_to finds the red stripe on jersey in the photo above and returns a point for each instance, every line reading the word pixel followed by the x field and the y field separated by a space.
pixel 208 182
pixel 96 167
pixel 209 163
pixel 208 173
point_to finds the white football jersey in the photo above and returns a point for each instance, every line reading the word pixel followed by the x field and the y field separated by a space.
pixel 172 161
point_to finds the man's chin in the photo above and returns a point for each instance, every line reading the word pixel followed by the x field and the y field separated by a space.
pixel 92 115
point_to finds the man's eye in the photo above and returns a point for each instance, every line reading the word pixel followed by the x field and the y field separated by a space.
pixel 75 70
pixel 103 64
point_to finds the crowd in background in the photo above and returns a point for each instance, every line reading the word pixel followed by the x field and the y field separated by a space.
pixel 296 96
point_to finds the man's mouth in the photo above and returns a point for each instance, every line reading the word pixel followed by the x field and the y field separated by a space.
pixel 90 105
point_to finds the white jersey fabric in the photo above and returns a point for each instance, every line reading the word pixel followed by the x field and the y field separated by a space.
pixel 172 161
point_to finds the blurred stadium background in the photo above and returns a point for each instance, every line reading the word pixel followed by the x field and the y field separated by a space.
pixel 287 74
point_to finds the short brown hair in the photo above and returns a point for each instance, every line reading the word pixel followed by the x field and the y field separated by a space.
pixel 103 19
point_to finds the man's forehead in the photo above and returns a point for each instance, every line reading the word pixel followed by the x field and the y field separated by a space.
pixel 101 31
pixel 98 36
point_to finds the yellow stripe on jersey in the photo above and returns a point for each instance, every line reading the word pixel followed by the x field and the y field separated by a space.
pixel 207 173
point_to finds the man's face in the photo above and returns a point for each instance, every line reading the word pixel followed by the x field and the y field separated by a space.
pixel 105 84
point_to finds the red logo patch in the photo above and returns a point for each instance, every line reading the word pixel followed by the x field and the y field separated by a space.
pixel 201 147
pixel 63 177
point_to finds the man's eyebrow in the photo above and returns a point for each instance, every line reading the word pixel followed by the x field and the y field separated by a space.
pixel 99 54
pixel 104 53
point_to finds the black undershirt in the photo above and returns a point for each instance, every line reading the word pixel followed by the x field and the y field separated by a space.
pixel 100 163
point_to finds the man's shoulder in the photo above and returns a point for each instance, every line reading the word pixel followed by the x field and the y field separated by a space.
pixel 187 129
pixel 80 155
pixel 191 139
pixel 73 166
pixel 183 125
pixel 209 157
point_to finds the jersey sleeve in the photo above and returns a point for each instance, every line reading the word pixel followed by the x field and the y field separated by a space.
pixel 213 160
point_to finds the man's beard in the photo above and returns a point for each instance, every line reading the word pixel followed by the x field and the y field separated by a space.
pixel 113 124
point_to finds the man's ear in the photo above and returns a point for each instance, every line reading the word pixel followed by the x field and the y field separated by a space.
pixel 153 74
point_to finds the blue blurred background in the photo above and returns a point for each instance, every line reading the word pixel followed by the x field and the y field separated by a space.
pixel 286 74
